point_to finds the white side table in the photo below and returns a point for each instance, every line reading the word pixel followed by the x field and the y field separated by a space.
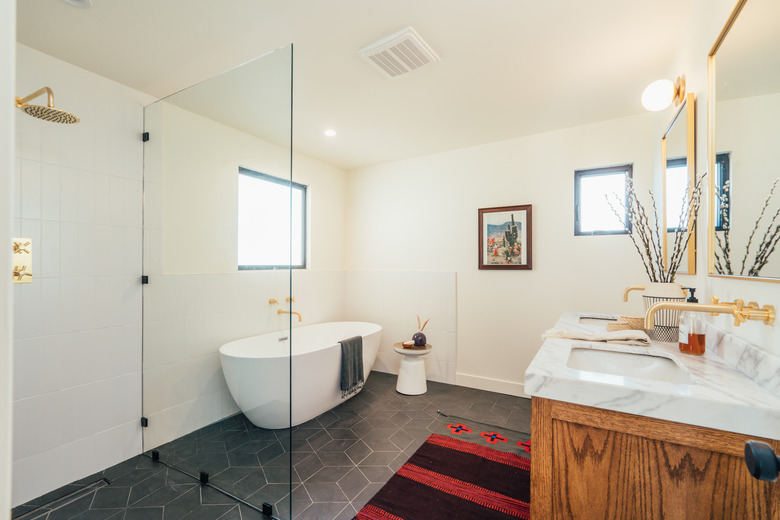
pixel 411 374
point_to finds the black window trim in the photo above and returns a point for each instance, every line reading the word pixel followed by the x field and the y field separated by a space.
pixel 293 185
pixel 592 172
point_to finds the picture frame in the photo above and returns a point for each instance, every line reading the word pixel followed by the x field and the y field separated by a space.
pixel 505 238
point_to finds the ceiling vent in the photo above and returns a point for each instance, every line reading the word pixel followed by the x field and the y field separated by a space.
pixel 399 54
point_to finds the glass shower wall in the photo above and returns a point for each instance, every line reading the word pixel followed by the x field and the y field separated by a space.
pixel 199 298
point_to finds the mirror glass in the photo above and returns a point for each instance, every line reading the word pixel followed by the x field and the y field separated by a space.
pixel 744 131
pixel 199 298
pixel 678 151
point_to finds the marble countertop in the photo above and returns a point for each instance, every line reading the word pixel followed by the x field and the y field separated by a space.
pixel 720 396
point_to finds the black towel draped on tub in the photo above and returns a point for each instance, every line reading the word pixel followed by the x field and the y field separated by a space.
pixel 351 366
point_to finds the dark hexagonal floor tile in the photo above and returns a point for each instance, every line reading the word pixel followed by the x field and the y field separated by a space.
pixel 336 461
pixel 358 451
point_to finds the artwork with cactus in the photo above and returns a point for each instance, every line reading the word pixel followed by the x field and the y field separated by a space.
pixel 505 237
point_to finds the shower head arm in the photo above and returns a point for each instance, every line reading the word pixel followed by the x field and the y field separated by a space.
pixel 39 92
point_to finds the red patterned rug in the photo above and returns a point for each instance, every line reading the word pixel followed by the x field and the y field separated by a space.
pixel 450 478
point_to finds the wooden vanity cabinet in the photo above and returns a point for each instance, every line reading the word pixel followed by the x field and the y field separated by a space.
pixel 595 464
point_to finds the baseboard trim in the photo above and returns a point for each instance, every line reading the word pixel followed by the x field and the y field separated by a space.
pixel 491 385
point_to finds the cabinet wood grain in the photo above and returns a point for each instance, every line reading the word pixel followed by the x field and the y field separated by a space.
pixel 598 464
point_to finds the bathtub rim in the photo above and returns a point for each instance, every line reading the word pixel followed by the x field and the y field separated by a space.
pixel 226 348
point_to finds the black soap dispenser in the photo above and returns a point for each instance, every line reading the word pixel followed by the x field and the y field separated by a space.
pixel 691 339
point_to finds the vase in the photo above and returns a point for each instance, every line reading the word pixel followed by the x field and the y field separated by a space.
pixel 667 321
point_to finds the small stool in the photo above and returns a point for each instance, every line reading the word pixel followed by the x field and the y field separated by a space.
pixel 411 374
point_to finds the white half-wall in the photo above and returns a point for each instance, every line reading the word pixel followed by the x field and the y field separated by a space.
pixel 394 299
pixel 7 117
pixel 421 215
pixel 77 327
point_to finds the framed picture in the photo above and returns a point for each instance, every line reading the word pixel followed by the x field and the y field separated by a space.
pixel 505 237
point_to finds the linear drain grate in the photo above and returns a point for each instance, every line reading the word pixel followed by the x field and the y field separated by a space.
pixel 45 510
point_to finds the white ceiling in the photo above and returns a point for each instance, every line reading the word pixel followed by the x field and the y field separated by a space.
pixel 508 68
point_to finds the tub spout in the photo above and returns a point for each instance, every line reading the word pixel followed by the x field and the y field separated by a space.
pixel 282 311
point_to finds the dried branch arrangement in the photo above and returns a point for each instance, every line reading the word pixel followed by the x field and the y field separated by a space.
pixel 766 246
pixel 645 230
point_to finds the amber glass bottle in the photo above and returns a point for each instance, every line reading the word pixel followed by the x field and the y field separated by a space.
pixel 692 340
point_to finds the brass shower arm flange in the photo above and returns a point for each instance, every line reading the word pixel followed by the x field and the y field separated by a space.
pixel 39 92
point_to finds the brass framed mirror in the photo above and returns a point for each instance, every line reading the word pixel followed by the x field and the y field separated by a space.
pixel 742 136
pixel 678 166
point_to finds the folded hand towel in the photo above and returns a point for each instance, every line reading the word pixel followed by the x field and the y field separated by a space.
pixel 628 337
pixel 351 366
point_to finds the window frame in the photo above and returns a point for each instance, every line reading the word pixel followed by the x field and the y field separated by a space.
pixel 304 206
pixel 628 169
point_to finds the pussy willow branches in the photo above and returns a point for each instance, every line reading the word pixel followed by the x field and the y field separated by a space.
pixel 646 234
pixel 766 246
pixel 686 224
pixel 770 239
pixel 723 252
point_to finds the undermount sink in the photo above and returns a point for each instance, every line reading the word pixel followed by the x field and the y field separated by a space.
pixel 628 364
pixel 596 320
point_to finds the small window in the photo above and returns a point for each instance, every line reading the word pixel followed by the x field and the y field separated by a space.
pixel 677 185
pixel 593 214
pixel 271 222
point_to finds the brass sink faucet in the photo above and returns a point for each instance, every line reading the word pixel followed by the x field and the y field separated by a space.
pixel 737 308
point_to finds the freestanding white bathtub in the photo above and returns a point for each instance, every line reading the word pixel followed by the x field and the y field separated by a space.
pixel 257 371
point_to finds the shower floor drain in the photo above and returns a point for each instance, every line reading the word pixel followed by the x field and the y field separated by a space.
pixel 45 510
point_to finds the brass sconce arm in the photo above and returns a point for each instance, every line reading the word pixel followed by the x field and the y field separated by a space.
pixel 632 288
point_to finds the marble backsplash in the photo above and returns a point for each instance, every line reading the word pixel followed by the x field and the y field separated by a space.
pixel 754 362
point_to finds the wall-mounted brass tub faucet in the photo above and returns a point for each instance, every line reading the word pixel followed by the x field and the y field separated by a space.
pixel 282 311
pixel 737 308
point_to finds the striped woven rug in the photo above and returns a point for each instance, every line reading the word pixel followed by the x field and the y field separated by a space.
pixel 450 478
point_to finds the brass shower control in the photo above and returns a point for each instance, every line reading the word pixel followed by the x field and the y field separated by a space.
pixel 22 260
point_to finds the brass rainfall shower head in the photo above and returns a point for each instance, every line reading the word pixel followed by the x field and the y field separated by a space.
pixel 47 113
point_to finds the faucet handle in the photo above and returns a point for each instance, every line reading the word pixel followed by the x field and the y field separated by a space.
pixel 273 301
pixel 715 301
pixel 290 299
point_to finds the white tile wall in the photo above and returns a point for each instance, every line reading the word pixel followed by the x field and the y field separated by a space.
pixel 188 317
pixel 77 349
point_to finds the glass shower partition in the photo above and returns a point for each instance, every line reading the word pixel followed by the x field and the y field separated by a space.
pixel 201 294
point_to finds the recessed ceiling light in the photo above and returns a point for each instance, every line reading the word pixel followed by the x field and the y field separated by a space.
pixel 81 4
pixel 330 132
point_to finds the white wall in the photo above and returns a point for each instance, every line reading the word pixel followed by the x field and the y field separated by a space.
pixel 196 299
pixel 421 215
pixel 77 328
pixel 705 23
pixel 394 299
pixel 7 116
